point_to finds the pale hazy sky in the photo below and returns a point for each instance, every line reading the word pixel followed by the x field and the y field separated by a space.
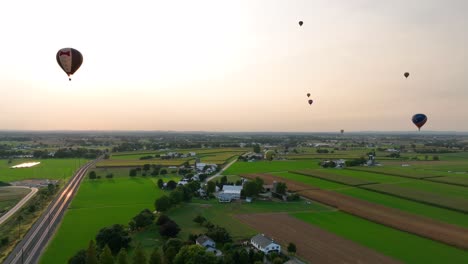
pixel 235 65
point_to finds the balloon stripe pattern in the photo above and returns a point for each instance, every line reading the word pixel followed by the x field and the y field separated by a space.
pixel 419 120
pixel 69 60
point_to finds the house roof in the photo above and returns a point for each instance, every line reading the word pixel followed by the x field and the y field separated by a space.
pixel 202 239
pixel 262 240
pixel 232 189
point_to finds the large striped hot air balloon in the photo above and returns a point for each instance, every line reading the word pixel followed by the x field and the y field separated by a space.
pixel 69 60
pixel 419 120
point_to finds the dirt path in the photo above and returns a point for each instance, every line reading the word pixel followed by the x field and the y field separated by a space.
pixel 313 244
pixel 419 225
pixel 13 210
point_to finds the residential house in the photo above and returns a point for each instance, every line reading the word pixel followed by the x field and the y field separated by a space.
pixel 229 193
pixel 209 245
pixel 265 244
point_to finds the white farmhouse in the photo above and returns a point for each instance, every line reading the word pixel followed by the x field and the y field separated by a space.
pixel 229 193
pixel 265 244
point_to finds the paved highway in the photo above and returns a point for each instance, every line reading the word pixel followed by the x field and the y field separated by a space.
pixel 20 204
pixel 30 248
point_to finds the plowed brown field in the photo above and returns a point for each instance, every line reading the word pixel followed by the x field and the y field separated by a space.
pixel 422 226
pixel 313 244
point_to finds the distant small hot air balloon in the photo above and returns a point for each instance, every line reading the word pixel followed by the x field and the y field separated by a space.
pixel 308 94
pixel 310 101
pixel 300 23
pixel 342 131
pixel 69 60
pixel 419 120
pixel 406 74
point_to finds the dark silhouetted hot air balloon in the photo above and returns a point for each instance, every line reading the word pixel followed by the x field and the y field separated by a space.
pixel 308 94
pixel 300 23
pixel 310 101
pixel 342 131
pixel 406 74
pixel 69 60
pixel 419 120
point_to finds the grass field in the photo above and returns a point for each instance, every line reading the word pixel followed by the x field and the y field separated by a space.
pixel 140 163
pixel 400 245
pixel 347 177
pixel 269 166
pixel 10 196
pixel 99 203
pixel 48 169
pixel 136 155
pixel 455 180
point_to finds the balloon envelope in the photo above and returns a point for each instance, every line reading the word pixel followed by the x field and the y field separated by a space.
pixel 342 131
pixel 406 74
pixel 419 120
pixel 308 95
pixel 300 23
pixel 311 101
pixel 69 60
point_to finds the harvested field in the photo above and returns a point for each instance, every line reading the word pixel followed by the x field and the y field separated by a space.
pixel 333 177
pixel 422 226
pixel 453 203
pixel 313 243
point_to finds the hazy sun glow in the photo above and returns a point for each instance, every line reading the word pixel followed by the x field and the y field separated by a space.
pixel 235 65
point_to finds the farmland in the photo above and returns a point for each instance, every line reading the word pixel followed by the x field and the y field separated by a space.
pixel 9 196
pixel 395 243
pixel 269 166
pixel 99 203
pixel 47 169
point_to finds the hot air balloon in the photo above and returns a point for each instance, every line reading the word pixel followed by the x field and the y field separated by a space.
pixel 406 74
pixel 69 60
pixel 342 131
pixel 311 101
pixel 308 94
pixel 419 120
pixel 300 23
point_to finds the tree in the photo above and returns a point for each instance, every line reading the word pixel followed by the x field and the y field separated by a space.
pixel 163 172
pixel 169 229
pixel 160 183
pixel 162 204
pixel 169 255
pixel 91 257
pixel 175 243
pixel 176 196
pixel 155 257
pixel 281 188
pixel 292 248
pixel 171 185
pixel 256 148
pixel 122 257
pixel 435 158
pixel 132 173
pixel 199 219
pixel 146 167
pixel 219 234
pixel 106 256
pixel 277 260
pixel 78 258
pixel 92 175
pixel 194 254
pixel 250 189
pixel 143 219
pixel 115 236
pixel 139 256
pixel 224 180
pixel 210 187
pixel 162 219
pixel 110 176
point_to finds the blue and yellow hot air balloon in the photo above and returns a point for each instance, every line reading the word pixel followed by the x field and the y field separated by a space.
pixel 419 120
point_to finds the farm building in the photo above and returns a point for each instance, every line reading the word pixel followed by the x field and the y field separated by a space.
pixel 205 241
pixel 229 193
pixel 265 244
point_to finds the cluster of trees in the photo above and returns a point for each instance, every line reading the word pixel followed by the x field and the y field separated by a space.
pixel 252 188
pixel 355 162
pixel 69 153
pixel 145 170
pixel 183 193
pixel 92 175
pixel 323 151
pixel 167 227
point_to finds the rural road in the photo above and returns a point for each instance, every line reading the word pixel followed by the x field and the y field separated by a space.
pixel 221 171
pixel 19 204
pixel 30 248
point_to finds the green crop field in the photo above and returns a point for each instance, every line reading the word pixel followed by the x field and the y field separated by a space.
pixel 367 176
pixel 99 203
pixel 137 163
pixel 408 172
pixel 437 188
pixel 347 177
pixel 441 214
pixel 454 203
pixel 455 180
pixel 269 166
pixel 47 169
pixel 401 245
